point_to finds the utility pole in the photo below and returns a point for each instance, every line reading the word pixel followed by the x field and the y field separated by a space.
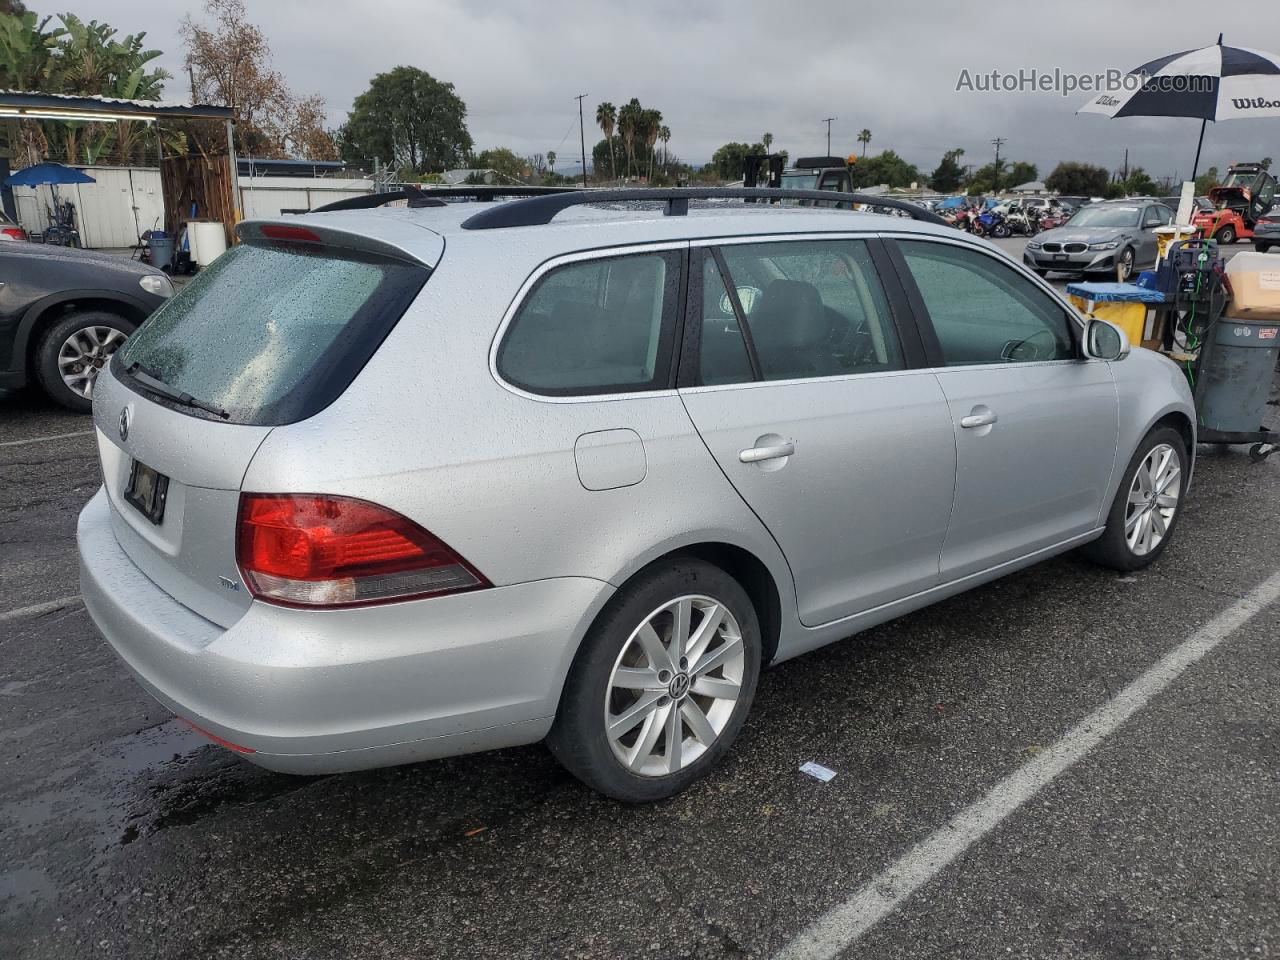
pixel 827 121
pixel 998 142
pixel 1125 177
pixel 582 137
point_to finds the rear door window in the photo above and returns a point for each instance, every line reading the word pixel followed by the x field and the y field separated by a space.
pixel 272 334
pixel 604 325
pixel 813 308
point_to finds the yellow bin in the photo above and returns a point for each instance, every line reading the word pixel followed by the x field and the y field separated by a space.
pixel 1129 317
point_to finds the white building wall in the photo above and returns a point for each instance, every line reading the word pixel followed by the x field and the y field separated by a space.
pixel 106 210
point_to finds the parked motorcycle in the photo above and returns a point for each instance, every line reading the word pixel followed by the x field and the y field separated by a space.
pixel 992 223
pixel 1020 222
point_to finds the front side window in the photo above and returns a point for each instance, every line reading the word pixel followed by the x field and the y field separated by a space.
pixel 596 326
pixel 982 310
pixel 811 309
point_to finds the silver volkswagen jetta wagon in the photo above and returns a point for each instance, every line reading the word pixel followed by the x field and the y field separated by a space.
pixel 383 485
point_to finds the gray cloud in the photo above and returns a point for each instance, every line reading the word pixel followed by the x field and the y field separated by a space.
pixel 721 70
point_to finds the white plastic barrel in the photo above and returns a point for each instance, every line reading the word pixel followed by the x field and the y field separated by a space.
pixel 208 240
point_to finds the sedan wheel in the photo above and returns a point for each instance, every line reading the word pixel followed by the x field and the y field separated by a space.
pixel 674 686
pixel 1141 519
pixel 83 354
pixel 1126 265
pixel 662 683
pixel 1153 499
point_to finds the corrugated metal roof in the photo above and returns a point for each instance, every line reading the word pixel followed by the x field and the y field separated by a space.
pixel 24 100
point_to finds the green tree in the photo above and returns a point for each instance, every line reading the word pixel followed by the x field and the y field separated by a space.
pixel 630 121
pixel 408 118
pixel 1208 180
pixel 652 126
pixel 664 134
pixel 767 141
pixel 26 50
pixel 884 168
pixel 1075 179
pixel 607 120
pixel 730 160
pixel 948 175
pixel 1018 173
pixel 506 163
pixel 864 138
pixel 1139 183
pixel 551 160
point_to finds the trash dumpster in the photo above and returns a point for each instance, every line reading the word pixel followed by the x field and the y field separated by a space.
pixel 1235 374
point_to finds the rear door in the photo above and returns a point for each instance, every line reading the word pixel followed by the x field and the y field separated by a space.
pixel 800 373
pixel 1035 426
pixel 270 334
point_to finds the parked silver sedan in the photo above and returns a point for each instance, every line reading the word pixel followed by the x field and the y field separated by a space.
pixel 1115 238
pixel 388 485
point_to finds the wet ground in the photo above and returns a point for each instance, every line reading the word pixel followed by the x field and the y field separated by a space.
pixel 125 834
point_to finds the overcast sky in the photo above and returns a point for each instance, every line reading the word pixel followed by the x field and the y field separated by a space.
pixel 721 70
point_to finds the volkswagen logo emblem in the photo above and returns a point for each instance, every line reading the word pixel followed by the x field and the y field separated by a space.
pixel 124 424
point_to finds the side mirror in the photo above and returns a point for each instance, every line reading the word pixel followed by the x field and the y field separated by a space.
pixel 1105 341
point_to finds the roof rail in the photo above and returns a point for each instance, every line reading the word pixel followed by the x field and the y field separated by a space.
pixel 436 196
pixel 541 210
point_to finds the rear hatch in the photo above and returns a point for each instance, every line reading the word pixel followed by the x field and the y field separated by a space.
pixel 270 334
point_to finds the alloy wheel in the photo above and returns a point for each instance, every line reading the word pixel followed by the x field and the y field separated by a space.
pixel 1126 265
pixel 674 686
pixel 1153 499
pixel 84 353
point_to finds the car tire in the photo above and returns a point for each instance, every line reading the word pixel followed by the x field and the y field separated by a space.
pixel 1122 545
pixel 620 675
pixel 1226 236
pixel 1126 265
pixel 74 350
pixel 1262 247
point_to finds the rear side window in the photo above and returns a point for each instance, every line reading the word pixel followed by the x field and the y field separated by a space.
pixel 596 326
pixel 272 334
pixel 813 308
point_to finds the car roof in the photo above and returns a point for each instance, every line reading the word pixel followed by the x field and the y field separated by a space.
pixel 418 230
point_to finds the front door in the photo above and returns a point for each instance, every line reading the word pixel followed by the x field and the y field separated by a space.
pixel 799 386
pixel 1035 426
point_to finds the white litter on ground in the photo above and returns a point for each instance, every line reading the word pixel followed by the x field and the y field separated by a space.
pixel 818 771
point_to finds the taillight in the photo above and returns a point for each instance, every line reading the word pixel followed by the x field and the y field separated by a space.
pixel 314 550
pixel 16 233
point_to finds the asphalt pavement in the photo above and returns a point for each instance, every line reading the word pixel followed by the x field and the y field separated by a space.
pixel 123 833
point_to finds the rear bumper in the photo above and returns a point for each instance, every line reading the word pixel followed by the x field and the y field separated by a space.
pixel 328 691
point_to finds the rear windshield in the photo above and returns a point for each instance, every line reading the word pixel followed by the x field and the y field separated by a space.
pixel 270 334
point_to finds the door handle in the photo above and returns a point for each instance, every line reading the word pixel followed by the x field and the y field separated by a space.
pixel 979 420
pixel 775 452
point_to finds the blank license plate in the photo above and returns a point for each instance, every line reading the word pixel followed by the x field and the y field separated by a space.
pixel 147 491
pixel 1058 257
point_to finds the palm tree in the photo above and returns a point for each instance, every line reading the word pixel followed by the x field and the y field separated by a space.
pixel 630 118
pixel 551 160
pixel 652 127
pixel 607 119
pixel 767 140
pixel 864 137
pixel 664 134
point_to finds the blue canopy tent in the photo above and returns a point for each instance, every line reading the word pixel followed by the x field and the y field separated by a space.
pixel 951 203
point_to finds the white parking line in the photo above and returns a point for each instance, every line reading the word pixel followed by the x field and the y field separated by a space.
pixel 842 925
pixel 38 609
pixel 56 436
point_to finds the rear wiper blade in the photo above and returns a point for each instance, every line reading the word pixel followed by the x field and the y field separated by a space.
pixel 153 383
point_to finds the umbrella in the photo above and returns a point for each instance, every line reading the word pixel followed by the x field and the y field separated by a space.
pixel 43 173
pixel 1212 83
